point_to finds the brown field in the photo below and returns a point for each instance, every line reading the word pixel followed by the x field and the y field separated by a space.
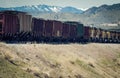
pixel 93 60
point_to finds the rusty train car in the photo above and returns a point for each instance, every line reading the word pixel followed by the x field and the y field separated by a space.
pixel 20 26
pixel 8 25
pixel 14 24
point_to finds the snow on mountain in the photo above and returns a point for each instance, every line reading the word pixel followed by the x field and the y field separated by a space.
pixel 44 8
pixel 56 9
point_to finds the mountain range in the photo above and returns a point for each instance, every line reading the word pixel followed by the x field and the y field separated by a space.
pixel 95 16
pixel 45 9
pixel 104 7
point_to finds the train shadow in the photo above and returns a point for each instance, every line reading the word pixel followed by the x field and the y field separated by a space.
pixel 42 42
pixel 55 43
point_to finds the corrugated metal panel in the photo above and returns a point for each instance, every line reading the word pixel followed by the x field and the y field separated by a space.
pixel 65 31
pixel 29 22
pixel 1 27
pixel 95 33
pixel 103 34
pixel 112 34
pixel 48 29
pixel 25 22
pixel 57 29
pixel 80 30
pixel 1 23
pixel 1 16
pixel 38 25
pixel 92 31
pixel 99 33
pixel 10 24
pixel 73 31
pixel 108 34
pixel 20 16
pixel 86 32
pixel 117 35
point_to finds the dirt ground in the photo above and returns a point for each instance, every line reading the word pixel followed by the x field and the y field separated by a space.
pixel 93 60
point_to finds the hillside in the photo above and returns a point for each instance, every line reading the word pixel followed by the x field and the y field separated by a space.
pixel 95 16
pixel 103 14
pixel 92 60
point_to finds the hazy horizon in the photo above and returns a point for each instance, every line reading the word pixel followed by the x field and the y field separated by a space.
pixel 84 4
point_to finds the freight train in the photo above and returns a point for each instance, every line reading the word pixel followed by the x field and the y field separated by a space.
pixel 20 26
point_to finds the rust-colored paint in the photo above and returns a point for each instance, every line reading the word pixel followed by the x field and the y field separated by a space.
pixel 1 23
pixel 65 31
pixel 10 24
pixel 37 26
pixel 57 29
pixel 119 35
pixel 86 32
pixel 73 31
pixel 48 29
pixel 1 16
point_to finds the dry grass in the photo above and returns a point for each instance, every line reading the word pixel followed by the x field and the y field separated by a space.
pixel 65 60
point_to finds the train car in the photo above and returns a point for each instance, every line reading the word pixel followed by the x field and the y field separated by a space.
pixel 37 29
pixel 78 30
pixel 86 33
pixel 9 25
pixel 72 30
pixel 16 24
pixel 47 29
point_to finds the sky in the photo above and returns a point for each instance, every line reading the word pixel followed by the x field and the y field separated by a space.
pixel 81 4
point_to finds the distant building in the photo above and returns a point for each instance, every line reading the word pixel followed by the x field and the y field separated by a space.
pixel 109 24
